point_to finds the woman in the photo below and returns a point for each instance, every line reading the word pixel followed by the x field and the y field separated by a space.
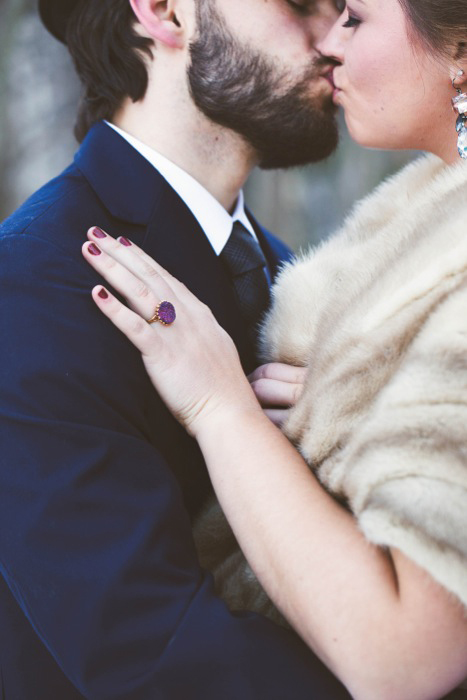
pixel 366 553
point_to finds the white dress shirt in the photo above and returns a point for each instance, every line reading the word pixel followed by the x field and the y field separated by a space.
pixel 215 221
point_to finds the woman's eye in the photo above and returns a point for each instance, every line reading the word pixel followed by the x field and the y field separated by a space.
pixel 340 6
pixel 352 21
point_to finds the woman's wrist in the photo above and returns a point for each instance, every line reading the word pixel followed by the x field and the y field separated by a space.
pixel 217 417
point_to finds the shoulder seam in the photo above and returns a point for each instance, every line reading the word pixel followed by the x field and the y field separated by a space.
pixel 42 213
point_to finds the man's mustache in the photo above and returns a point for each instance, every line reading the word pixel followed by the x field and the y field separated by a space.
pixel 323 64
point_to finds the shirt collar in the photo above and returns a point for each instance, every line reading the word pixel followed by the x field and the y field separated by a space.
pixel 215 221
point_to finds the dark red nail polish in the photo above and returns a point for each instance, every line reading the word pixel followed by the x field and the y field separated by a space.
pixel 103 294
pixel 98 232
pixel 94 250
pixel 124 241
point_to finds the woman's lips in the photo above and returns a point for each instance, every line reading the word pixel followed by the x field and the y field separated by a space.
pixel 329 76
pixel 336 88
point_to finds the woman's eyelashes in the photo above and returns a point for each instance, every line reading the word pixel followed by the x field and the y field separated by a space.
pixel 352 21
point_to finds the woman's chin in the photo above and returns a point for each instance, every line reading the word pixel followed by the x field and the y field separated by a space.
pixel 368 136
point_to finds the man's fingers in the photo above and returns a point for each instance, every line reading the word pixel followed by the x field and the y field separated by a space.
pixel 278 385
pixel 280 372
pixel 273 393
pixel 277 416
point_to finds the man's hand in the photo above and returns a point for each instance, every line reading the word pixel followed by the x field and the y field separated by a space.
pixel 278 387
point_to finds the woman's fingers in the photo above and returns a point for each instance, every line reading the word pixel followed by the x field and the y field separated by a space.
pixel 133 258
pixel 136 329
pixel 143 295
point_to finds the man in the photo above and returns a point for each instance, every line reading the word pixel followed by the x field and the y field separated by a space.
pixel 101 593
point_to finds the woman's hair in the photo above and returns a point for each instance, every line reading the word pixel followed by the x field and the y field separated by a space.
pixel 440 24
pixel 109 57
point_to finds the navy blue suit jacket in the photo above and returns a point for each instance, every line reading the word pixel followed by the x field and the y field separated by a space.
pixel 101 595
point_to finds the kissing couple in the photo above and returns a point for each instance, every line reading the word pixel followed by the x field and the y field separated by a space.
pixel 340 464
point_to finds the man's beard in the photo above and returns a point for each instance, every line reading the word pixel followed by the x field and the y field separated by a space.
pixel 243 90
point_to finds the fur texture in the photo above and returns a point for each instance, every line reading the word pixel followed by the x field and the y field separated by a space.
pixel 379 315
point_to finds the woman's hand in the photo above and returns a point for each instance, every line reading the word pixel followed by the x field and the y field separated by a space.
pixel 278 387
pixel 193 362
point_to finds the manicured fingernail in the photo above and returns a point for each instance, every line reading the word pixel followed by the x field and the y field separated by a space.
pixel 124 241
pixel 98 232
pixel 103 294
pixel 94 250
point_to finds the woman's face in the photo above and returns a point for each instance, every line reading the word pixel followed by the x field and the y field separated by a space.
pixel 396 93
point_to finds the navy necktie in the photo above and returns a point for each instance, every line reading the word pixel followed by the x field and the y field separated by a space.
pixel 246 264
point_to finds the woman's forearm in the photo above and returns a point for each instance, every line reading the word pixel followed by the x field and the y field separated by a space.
pixel 342 594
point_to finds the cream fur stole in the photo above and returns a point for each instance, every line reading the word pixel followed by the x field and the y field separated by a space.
pixel 379 315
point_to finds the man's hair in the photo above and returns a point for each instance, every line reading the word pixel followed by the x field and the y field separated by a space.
pixel 109 57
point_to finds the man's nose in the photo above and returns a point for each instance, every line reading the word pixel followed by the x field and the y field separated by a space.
pixel 332 41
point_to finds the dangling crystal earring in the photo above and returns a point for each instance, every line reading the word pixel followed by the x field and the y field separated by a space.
pixel 459 105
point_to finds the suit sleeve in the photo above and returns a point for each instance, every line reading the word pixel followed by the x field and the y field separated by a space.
pixel 95 542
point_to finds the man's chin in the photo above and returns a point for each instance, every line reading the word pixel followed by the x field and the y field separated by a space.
pixel 320 143
pixel 299 162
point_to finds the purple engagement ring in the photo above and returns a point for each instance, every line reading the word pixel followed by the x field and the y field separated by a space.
pixel 165 314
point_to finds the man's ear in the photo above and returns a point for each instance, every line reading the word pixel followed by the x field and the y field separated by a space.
pixel 159 20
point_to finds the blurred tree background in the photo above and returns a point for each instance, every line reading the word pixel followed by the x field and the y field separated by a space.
pixel 38 97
